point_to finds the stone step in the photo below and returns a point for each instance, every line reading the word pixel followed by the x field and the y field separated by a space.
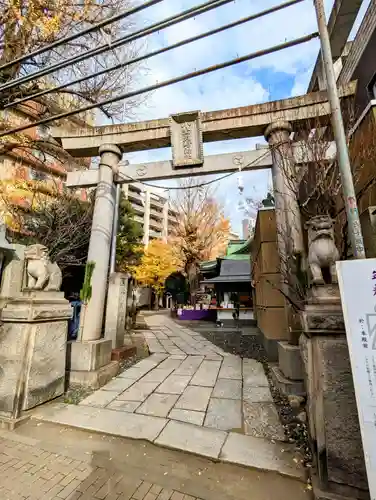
pixel 229 447
pixel 286 385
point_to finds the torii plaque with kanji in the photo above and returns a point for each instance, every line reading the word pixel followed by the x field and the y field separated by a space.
pixel 186 140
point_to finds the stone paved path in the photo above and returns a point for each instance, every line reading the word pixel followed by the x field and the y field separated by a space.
pixel 188 395
pixel 44 461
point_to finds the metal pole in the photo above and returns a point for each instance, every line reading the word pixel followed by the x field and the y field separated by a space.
pixel 115 230
pixel 355 230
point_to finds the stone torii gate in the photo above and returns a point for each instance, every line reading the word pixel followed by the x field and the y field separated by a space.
pixel 185 133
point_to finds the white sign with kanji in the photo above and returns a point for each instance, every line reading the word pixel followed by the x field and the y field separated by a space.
pixel 357 283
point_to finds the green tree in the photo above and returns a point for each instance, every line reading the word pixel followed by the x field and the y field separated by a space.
pixel 129 249
pixel 49 216
pixel 62 222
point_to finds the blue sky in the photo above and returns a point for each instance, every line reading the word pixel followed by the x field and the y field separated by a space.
pixel 271 77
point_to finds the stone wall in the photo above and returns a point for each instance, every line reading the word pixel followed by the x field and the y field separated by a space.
pixel 331 405
pixel 116 309
pixel 269 302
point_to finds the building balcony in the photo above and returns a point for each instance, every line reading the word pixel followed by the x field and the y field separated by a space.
pixel 133 195
pixel 156 224
pixel 157 203
pixel 172 223
pixel 134 189
pixel 155 234
pixel 156 214
pixel 138 209
pixel 138 219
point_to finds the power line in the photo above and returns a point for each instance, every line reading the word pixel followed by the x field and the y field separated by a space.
pixel 170 21
pixel 165 83
pixel 156 52
pixel 176 188
pixel 70 38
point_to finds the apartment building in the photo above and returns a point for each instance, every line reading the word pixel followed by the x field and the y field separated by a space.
pixel 153 210
pixel 24 164
pixel 233 236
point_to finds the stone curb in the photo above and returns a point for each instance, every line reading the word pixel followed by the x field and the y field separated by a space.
pixel 220 446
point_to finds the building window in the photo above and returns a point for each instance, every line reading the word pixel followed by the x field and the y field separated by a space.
pixel 134 189
pixel 39 155
pixel 36 175
pixel 43 131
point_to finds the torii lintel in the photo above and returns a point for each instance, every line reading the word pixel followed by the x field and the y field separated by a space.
pixel 234 123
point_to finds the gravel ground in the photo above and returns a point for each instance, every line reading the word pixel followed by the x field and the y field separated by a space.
pixel 245 342
pixel 296 430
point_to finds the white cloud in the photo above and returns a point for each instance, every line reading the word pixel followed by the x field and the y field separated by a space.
pixel 233 86
pixel 208 92
pixel 236 86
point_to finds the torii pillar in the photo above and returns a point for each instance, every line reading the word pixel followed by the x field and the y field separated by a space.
pixel 100 240
pixel 289 224
pixel 290 242
pixel 89 358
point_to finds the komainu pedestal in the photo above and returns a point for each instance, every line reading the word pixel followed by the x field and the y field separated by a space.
pixel 331 406
pixel 33 338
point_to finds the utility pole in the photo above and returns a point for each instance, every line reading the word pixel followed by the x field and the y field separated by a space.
pixel 349 195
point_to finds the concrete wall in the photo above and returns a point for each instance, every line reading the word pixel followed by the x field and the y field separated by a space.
pixel 360 62
pixel 364 73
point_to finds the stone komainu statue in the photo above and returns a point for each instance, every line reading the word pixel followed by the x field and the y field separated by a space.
pixel 322 251
pixel 42 274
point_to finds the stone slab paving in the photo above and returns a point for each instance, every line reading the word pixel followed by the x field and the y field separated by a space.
pixel 158 405
pixel 224 414
pixel 194 398
pixel 189 366
pixel 232 368
pixel 261 420
pixel 183 400
pixel 189 416
pixel 139 391
pixel 128 406
pixel 207 373
pixel 227 389
pixel 174 384
pixel 258 453
pixel 192 438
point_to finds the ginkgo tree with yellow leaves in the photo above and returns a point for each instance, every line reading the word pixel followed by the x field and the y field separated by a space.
pixel 157 264
pixel 201 231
